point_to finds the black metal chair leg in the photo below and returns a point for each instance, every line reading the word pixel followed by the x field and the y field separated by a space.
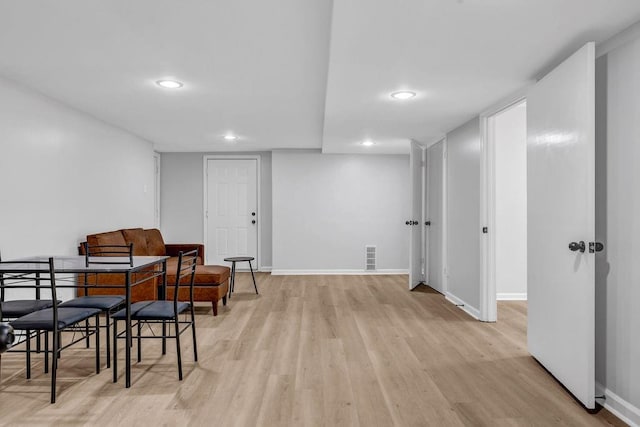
pixel 115 351
pixel 139 341
pixel 97 343
pixel 46 352
pixel 164 337
pixel 28 336
pixel 254 278
pixel 193 332
pixel 54 365
pixel 86 331
pixel 177 327
pixel 108 326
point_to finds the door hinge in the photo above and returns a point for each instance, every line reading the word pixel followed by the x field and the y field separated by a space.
pixel 485 230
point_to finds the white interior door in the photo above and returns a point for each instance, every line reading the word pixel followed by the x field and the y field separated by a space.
pixel 416 274
pixel 231 209
pixel 434 216
pixel 561 209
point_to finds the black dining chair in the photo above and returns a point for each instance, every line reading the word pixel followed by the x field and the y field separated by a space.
pixel 163 312
pixel 107 304
pixel 55 319
pixel 12 309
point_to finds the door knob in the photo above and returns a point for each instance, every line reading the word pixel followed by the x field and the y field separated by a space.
pixel 427 223
pixel 415 223
pixel 595 247
pixel 407 222
pixel 579 246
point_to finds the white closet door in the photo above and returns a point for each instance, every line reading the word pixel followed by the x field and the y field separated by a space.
pixel 561 210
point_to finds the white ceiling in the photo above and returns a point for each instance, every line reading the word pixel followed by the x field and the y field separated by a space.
pixel 294 73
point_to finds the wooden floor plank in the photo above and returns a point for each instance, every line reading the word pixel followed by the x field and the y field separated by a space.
pixel 313 351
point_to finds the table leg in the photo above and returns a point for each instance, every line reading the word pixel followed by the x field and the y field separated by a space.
pixel 128 341
pixel 233 277
pixel 254 278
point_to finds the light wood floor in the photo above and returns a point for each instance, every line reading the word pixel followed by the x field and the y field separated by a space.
pixel 314 351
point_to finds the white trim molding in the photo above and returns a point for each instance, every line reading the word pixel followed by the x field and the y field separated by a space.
pixel 471 311
pixel 627 35
pixel 511 296
pixel 281 272
pixel 618 406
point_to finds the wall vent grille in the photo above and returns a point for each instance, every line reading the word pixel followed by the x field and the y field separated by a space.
pixel 370 258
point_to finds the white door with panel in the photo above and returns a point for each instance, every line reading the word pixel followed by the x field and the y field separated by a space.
pixel 415 221
pixel 231 213
pixel 561 223
pixel 434 216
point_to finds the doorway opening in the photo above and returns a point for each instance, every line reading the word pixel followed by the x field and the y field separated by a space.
pixel 505 242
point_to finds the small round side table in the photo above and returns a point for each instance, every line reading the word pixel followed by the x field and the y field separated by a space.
pixel 233 261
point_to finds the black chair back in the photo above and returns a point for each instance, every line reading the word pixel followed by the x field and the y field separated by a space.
pixel 31 274
pixel 186 270
pixel 124 253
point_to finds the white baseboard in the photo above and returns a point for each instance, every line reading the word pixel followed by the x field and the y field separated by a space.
pixel 281 272
pixel 471 311
pixel 504 296
pixel 618 406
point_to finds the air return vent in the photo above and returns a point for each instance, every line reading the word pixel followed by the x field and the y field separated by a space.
pixel 370 258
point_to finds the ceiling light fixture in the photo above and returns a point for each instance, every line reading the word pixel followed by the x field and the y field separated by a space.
pixel 230 137
pixel 367 143
pixel 169 84
pixel 403 95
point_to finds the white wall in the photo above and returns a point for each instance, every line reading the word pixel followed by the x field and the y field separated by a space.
pixel 65 175
pixel 618 226
pixel 327 207
pixel 509 131
pixel 181 199
pixel 463 210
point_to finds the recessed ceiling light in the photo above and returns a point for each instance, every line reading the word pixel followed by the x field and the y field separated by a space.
pixel 367 143
pixel 169 84
pixel 403 94
pixel 230 137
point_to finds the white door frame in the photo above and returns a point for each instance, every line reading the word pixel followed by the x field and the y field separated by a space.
pixel 420 219
pixel 488 297
pixel 445 217
pixel 423 219
pixel 443 248
pixel 255 157
pixel 156 190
